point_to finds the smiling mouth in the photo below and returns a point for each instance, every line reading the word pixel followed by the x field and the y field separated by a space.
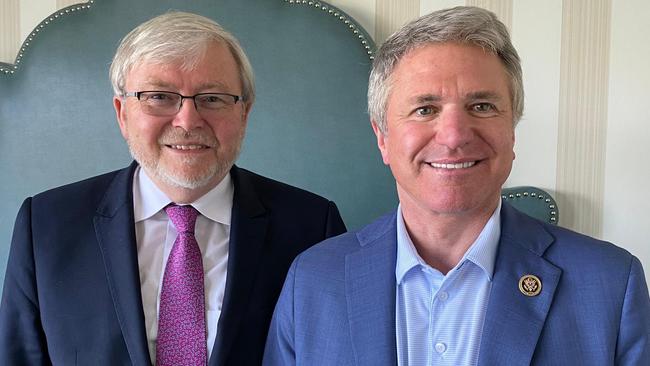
pixel 187 147
pixel 465 165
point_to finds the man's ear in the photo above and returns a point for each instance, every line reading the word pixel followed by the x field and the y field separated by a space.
pixel 381 142
pixel 247 109
pixel 120 114
pixel 514 155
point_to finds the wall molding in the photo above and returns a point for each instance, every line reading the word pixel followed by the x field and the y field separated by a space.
pixel 13 66
pixel 10 35
pixel 60 4
pixel 582 130
pixel 390 15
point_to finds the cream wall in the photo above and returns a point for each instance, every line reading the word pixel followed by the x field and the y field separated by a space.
pixel 584 135
pixel 626 209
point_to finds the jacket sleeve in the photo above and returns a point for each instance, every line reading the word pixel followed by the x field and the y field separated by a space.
pixel 335 225
pixel 22 339
pixel 633 344
pixel 280 346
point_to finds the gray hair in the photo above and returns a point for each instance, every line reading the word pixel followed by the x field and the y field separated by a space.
pixel 467 25
pixel 177 37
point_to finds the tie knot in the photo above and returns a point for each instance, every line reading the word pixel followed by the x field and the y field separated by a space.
pixel 183 217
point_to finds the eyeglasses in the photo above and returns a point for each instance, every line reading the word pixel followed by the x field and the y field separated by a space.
pixel 165 103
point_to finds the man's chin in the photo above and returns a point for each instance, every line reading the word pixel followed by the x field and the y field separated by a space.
pixel 186 182
pixel 188 174
pixel 186 178
pixel 192 180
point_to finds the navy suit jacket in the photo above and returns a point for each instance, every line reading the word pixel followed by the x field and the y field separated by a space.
pixel 337 306
pixel 72 289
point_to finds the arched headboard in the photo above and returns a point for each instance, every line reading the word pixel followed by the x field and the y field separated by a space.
pixel 308 127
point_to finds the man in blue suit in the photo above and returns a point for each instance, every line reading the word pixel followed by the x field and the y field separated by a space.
pixel 89 261
pixel 456 276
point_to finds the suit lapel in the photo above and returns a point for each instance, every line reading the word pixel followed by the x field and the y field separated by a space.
pixel 514 322
pixel 370 294
pixel 247 237
pixel 115 231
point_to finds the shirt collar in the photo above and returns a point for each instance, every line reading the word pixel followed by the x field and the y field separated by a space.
pixel 407 256
pixel 148 199
pixel 482 252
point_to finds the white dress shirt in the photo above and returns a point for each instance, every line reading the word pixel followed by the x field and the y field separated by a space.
pixel 439 318
pixel 155 235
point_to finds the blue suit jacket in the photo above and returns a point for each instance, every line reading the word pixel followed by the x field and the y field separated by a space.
pixel 337 306
pixel 72 288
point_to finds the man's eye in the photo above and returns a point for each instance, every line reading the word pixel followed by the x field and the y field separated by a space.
pixel 212 99
pixel 160 99
pixel 159 96
pixel 483 107
pixel 424 111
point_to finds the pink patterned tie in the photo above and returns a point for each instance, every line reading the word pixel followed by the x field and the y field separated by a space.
pixel 181 318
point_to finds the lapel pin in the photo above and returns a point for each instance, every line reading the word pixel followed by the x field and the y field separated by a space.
pixel 530 285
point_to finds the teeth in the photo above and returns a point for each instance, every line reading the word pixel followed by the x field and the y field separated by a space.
pixel 464 165
pixel 186 147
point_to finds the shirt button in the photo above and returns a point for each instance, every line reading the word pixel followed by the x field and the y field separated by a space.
pixel 440 347
pixel 443 295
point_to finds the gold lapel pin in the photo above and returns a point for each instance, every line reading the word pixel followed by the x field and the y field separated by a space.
pixel 530 285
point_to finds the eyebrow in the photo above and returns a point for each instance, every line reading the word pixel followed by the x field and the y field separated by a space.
pixel 155 83
pixel 489 95
pixel 212 85
pixel 426 98
pixel 481 94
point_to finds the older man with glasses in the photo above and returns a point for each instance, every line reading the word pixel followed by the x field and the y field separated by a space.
pixel 179 258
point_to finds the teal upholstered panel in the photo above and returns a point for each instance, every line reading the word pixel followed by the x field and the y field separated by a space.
pixel 308 127
pixel 533 201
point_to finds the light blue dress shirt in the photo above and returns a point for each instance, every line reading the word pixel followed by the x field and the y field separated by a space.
pixel 439 319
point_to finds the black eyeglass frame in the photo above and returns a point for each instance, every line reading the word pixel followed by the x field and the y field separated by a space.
pixel 138 94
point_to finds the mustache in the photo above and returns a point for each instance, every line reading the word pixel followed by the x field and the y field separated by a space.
pixel 178 136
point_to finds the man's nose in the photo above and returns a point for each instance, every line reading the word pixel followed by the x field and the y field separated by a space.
pixel 188 116
pixel 454 129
